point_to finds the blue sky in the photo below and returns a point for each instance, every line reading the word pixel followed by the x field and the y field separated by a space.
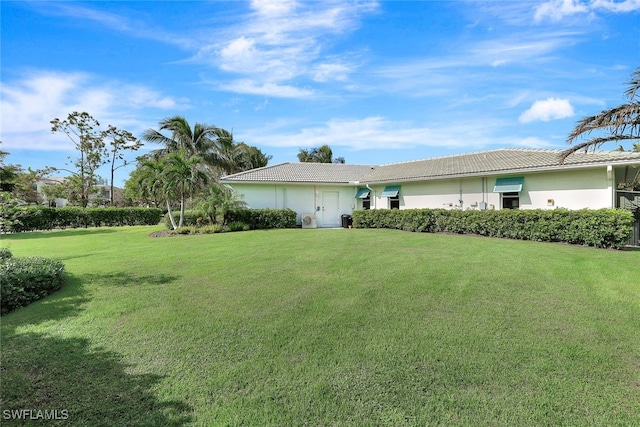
pixel 379 82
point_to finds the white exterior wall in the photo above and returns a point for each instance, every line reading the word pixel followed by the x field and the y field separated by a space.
pixel 573 189
pixel 302 198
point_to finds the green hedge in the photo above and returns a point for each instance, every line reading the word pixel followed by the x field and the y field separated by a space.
pixel 33 218
pixel 25 280
pixel 602 228
pixel 254 218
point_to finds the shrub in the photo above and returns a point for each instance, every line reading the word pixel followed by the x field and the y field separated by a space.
pixel 33 218
pixel 237 226
pixel 25 280
pixel 210 229
pixel 603 228
pixel 265 218
pixel 5 253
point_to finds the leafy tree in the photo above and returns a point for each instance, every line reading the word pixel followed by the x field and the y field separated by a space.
pixel 254 157
pixel 618 124
pixel 82 130
pixel 322 154
pixel 119 140
pixel 8 173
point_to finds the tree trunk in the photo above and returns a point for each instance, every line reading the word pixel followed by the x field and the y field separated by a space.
pixel 181 211
pixel 173 221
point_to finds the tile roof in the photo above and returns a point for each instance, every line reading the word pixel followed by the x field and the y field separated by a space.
pixel 501 161
pixel 329 173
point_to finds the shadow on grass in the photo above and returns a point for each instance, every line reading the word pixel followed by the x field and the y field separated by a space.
pixel 80 385
pixel 128 279
pixel 28 235
pixel 68 378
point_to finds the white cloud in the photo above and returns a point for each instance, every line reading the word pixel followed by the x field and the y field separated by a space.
pixel 556 10
pixel 548 109
pixel 253 87
pixel 28 105
pixel 375 132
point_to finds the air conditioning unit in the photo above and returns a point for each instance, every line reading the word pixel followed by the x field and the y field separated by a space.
pixel 309 220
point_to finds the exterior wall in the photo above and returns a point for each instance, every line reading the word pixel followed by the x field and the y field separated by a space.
pixel 574 189
pixel 302 198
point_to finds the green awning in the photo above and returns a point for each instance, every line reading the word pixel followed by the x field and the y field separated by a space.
pixel 508 185
pixel 390 191
pixel 362 193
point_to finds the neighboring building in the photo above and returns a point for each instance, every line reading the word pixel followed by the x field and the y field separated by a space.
pixel 99 198
pixel 496 179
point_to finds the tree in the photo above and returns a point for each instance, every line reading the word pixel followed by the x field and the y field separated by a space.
pixel 196 142
pixel 119 141
pixel 172 178
pixel 8 173
pixel 233 157
pixel 322 154
pixel 618 124
pixel 82 130
pixel 182 177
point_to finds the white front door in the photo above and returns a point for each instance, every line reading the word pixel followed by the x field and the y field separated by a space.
pixel 330 209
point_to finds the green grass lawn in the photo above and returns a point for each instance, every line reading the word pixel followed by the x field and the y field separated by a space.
pixel 326 327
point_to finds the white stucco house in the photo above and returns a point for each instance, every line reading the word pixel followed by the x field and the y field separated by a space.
pixel 496 179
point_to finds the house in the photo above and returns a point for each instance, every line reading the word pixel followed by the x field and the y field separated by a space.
pixel 496 179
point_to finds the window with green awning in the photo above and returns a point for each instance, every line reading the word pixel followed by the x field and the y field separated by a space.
pixel 362 193
pixel 509 185
pixel 391 191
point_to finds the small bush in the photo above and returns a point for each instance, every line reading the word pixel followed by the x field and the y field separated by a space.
pixel 210 229
pixel 5 253
pixel 25 280
pixel 237 226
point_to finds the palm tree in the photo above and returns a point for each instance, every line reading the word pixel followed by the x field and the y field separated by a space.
pixel 618 124
pixel 196 142
pixel 322 154
pixel 182 176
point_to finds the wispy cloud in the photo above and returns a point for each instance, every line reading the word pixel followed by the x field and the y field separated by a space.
pixel 548 109
pixel 376 132
pixel 280 43
pixel 29 104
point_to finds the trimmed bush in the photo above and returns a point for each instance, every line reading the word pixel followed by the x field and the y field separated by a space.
pixel 265 218
pixel 34 218
pixel 253 218
pixel 25 280
pixel 602 228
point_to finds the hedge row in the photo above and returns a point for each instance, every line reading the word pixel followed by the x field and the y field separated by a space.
pixel 25 280
pixel 254 218
pixel 33 218
pixel 603 228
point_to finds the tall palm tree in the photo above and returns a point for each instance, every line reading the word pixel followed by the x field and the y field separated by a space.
pixel 618 124
pixel 196 142
pixel 182 176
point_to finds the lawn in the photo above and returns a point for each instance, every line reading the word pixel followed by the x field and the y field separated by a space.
pixel 325 327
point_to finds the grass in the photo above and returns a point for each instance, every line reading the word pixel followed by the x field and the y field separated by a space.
pixel 326 327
